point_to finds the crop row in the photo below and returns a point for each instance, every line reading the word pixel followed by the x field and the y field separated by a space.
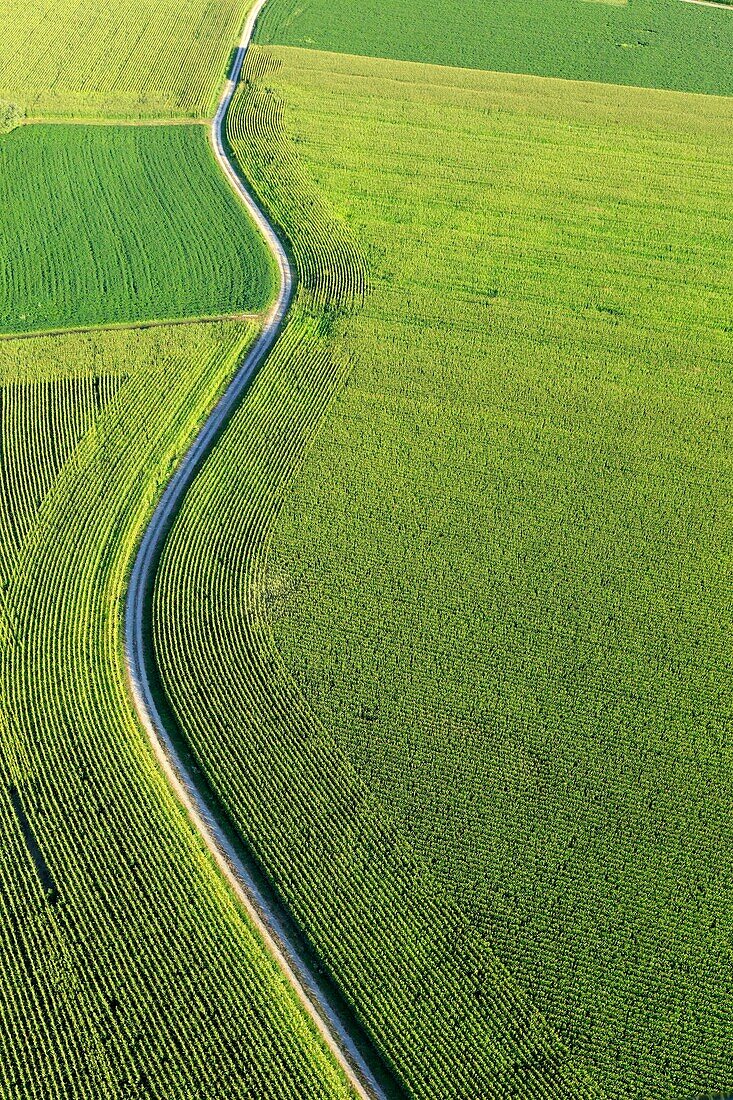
pixel 436 1001
pixel 128 969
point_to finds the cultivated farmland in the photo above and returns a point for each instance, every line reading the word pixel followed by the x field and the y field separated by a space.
pixel 102 224
pixel 496 733
pixel 442 629
pixel 650 43
pixel 110 983
pixel 118 59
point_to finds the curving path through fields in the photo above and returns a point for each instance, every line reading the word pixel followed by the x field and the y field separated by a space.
pixel 309 988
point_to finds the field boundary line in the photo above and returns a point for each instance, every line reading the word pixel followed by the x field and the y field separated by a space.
pixel 129 326
pixel 309 989
pixel 103 120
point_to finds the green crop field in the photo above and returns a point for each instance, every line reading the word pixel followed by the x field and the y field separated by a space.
pixel 117 59
pixel 405 959
pixel 128 968
pixel 103 224
pixel 652 43
pixel 442 629
pixel 480 662
pixel 110 907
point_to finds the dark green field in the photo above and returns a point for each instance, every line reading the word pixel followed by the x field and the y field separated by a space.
pixel 650 43
pixel 103 224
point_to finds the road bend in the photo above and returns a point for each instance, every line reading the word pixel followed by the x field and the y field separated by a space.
pixel 308 986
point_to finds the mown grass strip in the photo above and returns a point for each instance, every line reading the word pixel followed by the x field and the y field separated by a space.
pixel 128 326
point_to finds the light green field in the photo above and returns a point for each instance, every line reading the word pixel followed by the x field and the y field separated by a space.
pixel 103 224
pixel 128 969
pixel 649 43
pixel 117 59
pixel 481 665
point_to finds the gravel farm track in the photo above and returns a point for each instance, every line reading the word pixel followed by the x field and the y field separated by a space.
pixel 335 1032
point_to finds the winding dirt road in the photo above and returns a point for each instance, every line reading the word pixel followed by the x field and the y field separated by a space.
pixel 308 986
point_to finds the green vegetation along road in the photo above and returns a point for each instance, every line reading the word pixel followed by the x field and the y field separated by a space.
pixel 438 1003
pixel 128 966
